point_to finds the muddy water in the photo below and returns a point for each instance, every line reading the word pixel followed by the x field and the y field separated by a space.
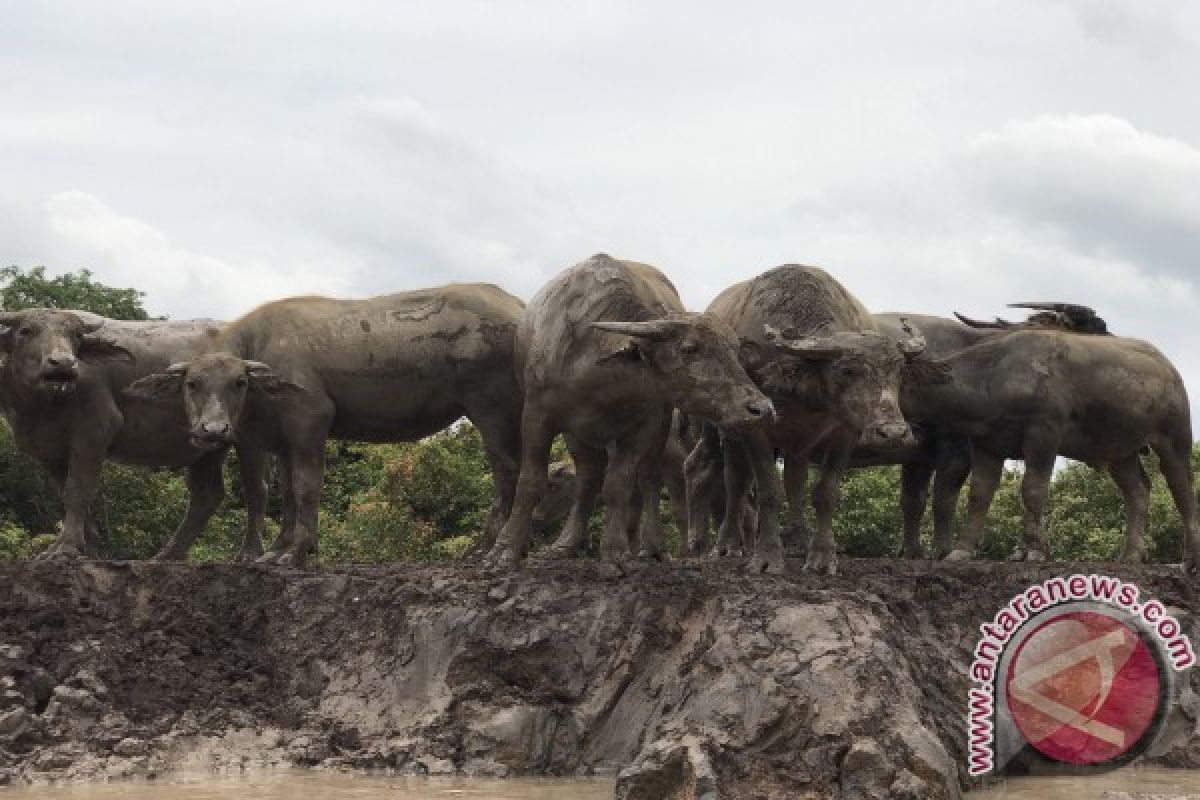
pixel 1132 783
pixel 301 785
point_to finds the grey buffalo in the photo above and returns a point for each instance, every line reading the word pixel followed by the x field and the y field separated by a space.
pixel 835 382
pixel 1037 394
pixel 605 350
pixel 295 372
pixel 61 381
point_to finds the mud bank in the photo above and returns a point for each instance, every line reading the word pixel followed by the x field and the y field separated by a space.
pixel 693 680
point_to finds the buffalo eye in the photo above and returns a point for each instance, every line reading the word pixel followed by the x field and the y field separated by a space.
pixel 240 382
pixel 25 331
pixel 193 383
pixel 689 348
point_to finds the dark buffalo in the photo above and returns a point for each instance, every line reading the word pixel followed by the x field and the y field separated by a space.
pixel 606 350
pixel 835 381
pixel 61 380
pixel 293 373
pixel 1037 394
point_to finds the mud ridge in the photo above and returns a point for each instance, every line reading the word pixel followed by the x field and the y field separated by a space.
pixel 693 680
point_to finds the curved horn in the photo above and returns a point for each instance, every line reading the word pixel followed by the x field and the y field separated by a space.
pixel 1063 308
pixel 914 344
pixel 257 368
pixel 999 324
pixel 655 329
pixel 178 368
pixel 92 327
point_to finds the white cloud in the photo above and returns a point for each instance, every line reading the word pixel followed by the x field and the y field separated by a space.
pixel 125 251
pixel 1103 184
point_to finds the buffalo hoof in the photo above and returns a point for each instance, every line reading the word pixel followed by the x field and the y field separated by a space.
pixel 960 554
pixel 559 553
pixel 291 559
pixel 249 556
pixel 62 552
pixel 907 551
pixel 821 563
pixel 770 563
pixel 725 551
pixel 502 558
pixel 1035 555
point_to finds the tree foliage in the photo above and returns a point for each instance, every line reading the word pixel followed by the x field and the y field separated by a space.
pixel 20 288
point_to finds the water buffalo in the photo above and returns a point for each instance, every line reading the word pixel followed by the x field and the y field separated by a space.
pixel 835 381
pixel 61 376
pixel 606 350
pixel 295 372
pixel 1037 394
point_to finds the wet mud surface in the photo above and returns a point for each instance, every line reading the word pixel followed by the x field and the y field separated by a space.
pixel 693 680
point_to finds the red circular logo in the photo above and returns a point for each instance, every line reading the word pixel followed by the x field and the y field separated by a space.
pixel 1083 688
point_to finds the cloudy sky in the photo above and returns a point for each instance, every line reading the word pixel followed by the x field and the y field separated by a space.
pixel 933 156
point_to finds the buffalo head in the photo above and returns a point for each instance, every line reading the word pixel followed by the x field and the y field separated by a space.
pixel 214 388
pixel 43 349
pixel 854 375
pixel 693 360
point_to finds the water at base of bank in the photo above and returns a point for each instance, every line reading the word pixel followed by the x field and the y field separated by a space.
pixel 1130 783
pixel 319 785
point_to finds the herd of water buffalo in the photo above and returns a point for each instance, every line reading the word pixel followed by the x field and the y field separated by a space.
pixel 788 362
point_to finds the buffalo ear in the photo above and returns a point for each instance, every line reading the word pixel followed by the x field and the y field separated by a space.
pixel 263 379
pixel 158 386
pixel 926 372
pixel 629 354
pixel 97 348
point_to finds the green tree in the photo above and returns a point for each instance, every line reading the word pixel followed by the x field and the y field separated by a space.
pixel 31 288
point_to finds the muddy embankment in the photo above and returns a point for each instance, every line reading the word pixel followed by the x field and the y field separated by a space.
pixel 696 681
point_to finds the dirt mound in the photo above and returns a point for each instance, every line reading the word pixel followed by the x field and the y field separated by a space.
pixel 694 680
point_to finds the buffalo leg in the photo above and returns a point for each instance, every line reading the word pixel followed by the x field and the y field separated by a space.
pixel 822 556
pixel 1174 460
pixel 501 434
pixel 702 473
pixel 914 495
pixel 206 489
pixel 986 470
pixel 673 478
pixel 91 531
pixel 1134 484
pixel 590 463
pixel 287 523
pixel 306 470
pixel 79 490
pixel 953 467
pixel 768 548
pixel 252 464
pixel 739 474
pixel 537 433
pixel 650 482
pixel 795 487
pixel 622 492
pixel 1035 491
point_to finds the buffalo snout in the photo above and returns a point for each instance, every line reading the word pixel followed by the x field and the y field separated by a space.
pixel 212 434
pixel 888 434
pixel 752 408
pixel 59 372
